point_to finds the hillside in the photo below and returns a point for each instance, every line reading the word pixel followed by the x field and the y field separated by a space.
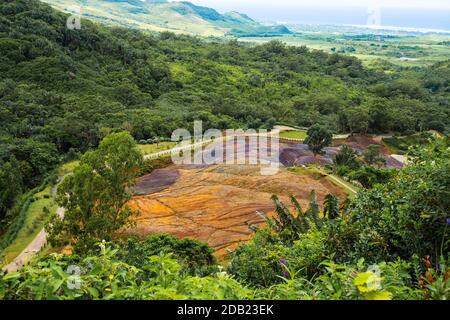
pixel 90 94
pixel 160 15
pixel 62 90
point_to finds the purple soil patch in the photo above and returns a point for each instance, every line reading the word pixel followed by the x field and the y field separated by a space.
pixel 330 152
pixel 289 156
pixel 156 181
pixel 393 163
pixel 230 151
pixel 299 155
pixel 360 143
pixel 320 160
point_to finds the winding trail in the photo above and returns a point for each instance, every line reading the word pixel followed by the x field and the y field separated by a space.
pixel 32 249
pixel 36 245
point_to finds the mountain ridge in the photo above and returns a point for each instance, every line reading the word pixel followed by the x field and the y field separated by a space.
pixel 179 17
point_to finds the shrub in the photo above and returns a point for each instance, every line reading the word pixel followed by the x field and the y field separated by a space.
pixel 263 261
pixel 194 256
pixel 105 277
pixel 152 164
pixel 368 176
pixel 385 281
pixel 257 262
pixel 346 157
pixel 408 215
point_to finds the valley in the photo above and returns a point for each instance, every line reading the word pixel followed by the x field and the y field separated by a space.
pixel 218 204
pixel 373 46
pixel 396 48
pixel 95 203
pixel 160 15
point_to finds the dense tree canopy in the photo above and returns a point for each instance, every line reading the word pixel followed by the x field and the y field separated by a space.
pixel 62 91
pixel 66 92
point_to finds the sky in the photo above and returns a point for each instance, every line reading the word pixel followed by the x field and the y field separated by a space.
pixel 426 14
pixel 233 4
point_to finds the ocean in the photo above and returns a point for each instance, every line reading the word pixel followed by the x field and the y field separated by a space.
pixel 434 19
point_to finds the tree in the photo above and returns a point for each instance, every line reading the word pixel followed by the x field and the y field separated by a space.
pixel 318 137
pixel 157 140
pixel 331 206
pixel 96 194
pixel 380 114
pixel 372 155
pixel 10 185
pixel 36 159
pixel 357 119
pixel 327 103
pixel 346 157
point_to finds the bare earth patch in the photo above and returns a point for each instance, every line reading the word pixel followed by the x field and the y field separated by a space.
pixel 361 142
pixel 216 204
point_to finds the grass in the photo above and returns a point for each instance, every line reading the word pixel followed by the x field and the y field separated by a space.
pixel 35 216
pixel 154 148
pixel 311 171
pixel 400 145
pixel 351 189
pixel 298 135
pixel 34 222
pixel 68 168
pixel 301 135
pixel 318 173
pixel 426 49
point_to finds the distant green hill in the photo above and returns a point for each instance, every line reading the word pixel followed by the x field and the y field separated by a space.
pixel 63 90
pixel 161 15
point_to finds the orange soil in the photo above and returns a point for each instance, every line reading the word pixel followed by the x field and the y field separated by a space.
pixel 216 204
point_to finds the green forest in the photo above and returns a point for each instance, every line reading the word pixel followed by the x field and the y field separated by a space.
pixel 71 94
pixel 390 242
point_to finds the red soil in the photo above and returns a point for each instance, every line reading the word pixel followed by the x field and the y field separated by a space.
pixel 217 204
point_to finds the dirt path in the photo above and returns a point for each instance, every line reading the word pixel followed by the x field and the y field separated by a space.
pixel 41 239
pixel 345 186
pixel 32 249
pixel 283 128
pixel 35 246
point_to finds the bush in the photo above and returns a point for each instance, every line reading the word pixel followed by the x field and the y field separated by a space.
pixel 346 158
pixel 263 261
pixel 257 263
pixel 152 164
pixel 369 176
pixel 385 281
pixel 342 171
pixel 408 215
pixel 308 253
pixel 194 256
pixel 104 276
